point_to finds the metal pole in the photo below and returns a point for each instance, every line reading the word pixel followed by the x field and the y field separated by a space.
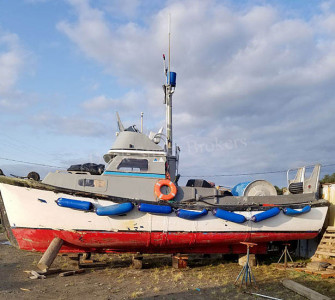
pixel 169 48
pixel 169 121
pixel 168 95
pixel 246 280
pixel 141 122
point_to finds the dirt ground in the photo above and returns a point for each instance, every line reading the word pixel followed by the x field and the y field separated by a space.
pixel 203 278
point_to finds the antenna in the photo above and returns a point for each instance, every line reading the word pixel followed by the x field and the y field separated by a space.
pixel 169 47
pixel 169 88
pixel 119 123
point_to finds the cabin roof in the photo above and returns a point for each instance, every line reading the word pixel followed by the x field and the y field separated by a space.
pixel 128 140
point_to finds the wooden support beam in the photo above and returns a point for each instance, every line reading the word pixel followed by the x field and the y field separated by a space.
pixel 243 259
pixel 50 254
pixel 303 291
pixel 137 261
pixel 70 273
pixel 179 261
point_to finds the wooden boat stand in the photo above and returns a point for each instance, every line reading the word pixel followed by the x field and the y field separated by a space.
pixel 285 254
pixel 246 273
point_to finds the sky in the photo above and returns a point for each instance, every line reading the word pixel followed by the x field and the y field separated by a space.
pixel 255 83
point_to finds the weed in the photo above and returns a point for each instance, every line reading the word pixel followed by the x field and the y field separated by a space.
pixel 177 277
pixel 136 294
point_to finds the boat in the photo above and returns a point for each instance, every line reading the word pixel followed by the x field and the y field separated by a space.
pixel 135 204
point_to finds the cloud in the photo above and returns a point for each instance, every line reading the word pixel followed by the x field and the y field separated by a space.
pixel 98 103
pixel 252 75
pixel 122 8
pixel 101 103
pixel 13 58
pixel 69 125
pixel 11 61
pixel 91 25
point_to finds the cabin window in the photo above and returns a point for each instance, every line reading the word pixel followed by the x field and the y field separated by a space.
pixel 86 182
pixel 92 183
pixel 135 165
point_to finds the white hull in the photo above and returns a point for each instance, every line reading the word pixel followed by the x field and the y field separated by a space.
pixel 35 209
pixel 24 209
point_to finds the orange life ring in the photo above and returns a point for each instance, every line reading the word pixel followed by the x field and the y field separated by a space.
pixel 170 184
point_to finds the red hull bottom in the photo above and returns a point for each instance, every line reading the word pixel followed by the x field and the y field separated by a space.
pixel 152 242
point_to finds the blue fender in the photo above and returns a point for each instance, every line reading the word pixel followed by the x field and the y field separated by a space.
pixel 156 209
pixel 265 214
pixel 114 210
pixel 229 216
pixel 191 214
pixel 75 204
pixel 296 212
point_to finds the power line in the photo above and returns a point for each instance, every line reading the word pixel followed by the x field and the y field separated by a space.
pixel 235 175
pixel 246 174
pixel 30 163
pixel 328 165
pixel 217 175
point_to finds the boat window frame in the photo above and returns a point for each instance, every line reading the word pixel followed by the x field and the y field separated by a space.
pixel 133 165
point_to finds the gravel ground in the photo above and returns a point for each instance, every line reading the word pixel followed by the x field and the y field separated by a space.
pixel 203 278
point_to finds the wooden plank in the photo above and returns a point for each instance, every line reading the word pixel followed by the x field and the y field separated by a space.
pixel 330 228
pixel 137 261
pixel 179 261
pixel 314 266
pixel 303 291
pixel 328 260
pixel 324 253
pixel 5 223
pixel 331 235
pixel 327 244
pixel 310 272
pixel 50 254
pixel 299 269
pixel 327 247
pixel 328 275
pixel 327 240
pixel 324 273
pixel 69 273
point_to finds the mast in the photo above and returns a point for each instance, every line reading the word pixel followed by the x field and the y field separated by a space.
pixel 169 89
pixel 141 122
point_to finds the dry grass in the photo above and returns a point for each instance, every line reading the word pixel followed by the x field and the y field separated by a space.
pixel 214 280
pixel 177 277
pixel 136 294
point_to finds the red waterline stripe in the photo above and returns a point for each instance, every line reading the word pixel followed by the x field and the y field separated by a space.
pixel 151 242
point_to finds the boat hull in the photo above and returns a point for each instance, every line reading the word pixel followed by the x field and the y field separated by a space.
pixel 34 218
pixel 151 242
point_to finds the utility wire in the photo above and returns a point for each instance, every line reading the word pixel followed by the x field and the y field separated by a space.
pixel 235 175
pixel 247 174
pixel 218 175
pixel 30 163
